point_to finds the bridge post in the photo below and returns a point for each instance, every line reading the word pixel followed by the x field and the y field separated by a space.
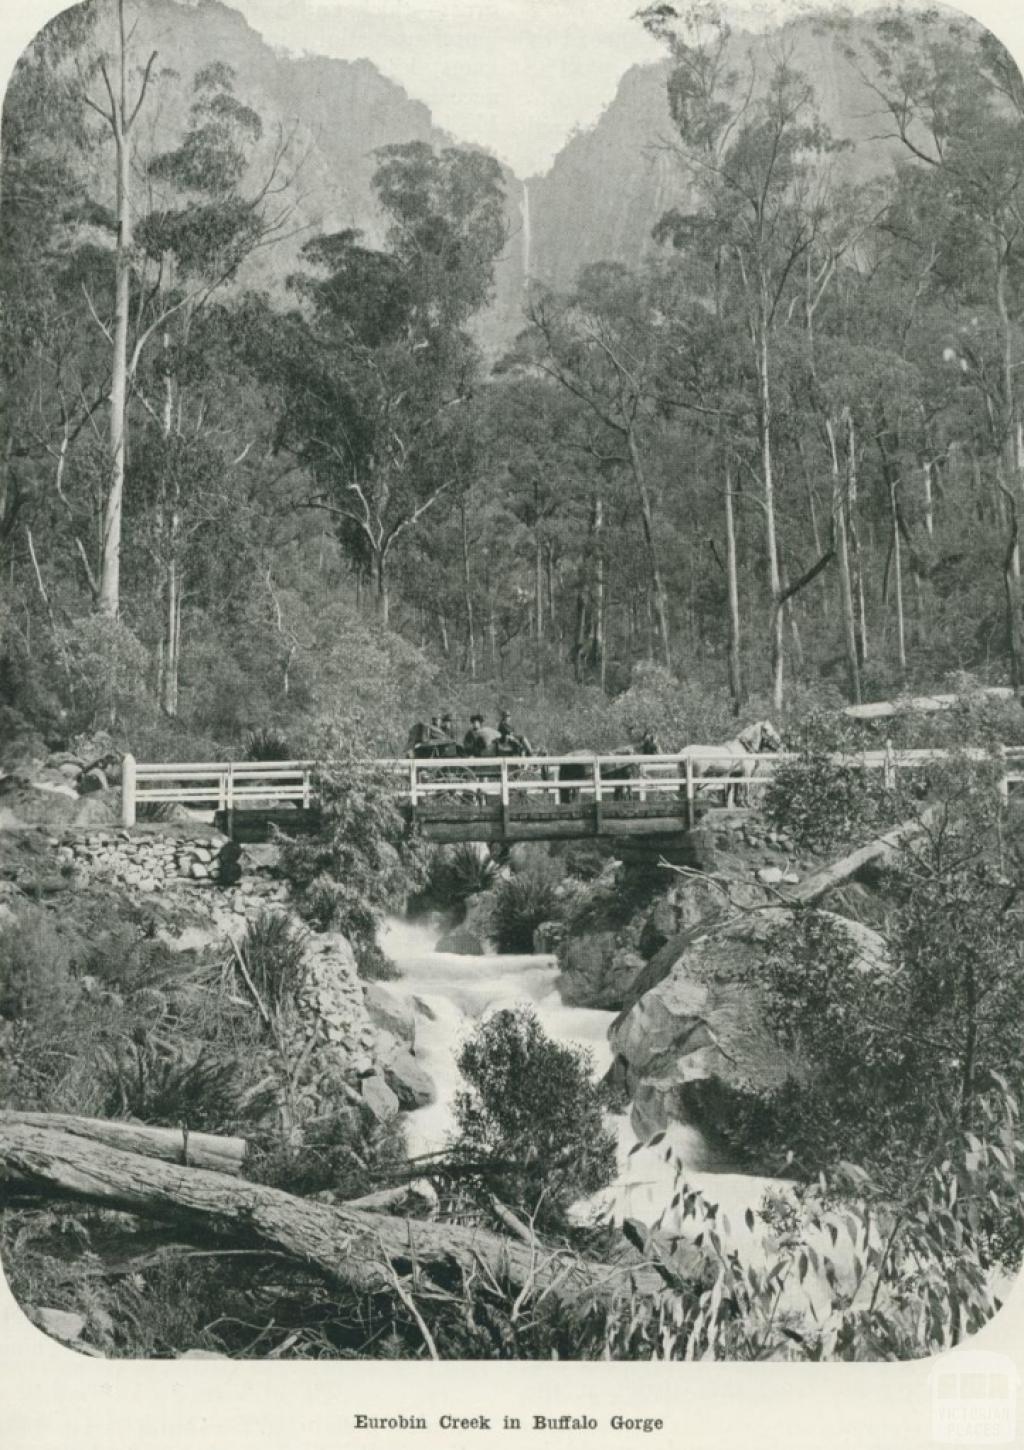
pixel 128 790
pixel 503 769
pixel 689 793
pixel 229 797
pixel 597 797
pixel 889 775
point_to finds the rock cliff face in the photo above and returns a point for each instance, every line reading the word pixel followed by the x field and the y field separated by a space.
pixel 599 201
pixel 611 183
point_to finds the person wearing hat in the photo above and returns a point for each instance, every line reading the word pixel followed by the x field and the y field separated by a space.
pixel 448 726
pixel 478 739
pixel 508 742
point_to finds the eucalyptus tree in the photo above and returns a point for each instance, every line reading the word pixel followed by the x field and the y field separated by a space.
pixel 753 155
pixel 378 370
pixel 603 344
pixel 954 100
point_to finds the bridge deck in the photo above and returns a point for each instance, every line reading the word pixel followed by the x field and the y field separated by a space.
pixel 516 799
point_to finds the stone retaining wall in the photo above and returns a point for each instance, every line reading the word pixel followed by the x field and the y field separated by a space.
pixel 147 862
pixel 155 859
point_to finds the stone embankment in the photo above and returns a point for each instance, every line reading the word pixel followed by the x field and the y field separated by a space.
pixel 352 1033
pixel 177 856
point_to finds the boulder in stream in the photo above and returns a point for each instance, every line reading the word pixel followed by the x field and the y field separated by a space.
pixel 463 942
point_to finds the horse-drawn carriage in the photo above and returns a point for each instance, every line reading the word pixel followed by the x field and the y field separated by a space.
pixel 645 770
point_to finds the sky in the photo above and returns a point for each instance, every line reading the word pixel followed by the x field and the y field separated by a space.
pixel 516 76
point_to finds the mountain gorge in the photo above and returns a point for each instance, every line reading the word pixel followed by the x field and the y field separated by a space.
pixel 599 200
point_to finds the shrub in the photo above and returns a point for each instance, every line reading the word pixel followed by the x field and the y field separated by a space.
pixel 362 861
pixel 533 1114
pixel 159 1082
pixel 455 873
pixel 518 906
pixel 105 664
pixel 273 951
pixel 35 977
pixel 266 743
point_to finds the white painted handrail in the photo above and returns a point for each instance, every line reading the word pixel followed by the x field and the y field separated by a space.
pixel 228 784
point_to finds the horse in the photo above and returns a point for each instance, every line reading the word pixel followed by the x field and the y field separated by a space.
pixel 735 757
pixel 572 771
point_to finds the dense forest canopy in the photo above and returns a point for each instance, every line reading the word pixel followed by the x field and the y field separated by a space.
pixel 781 459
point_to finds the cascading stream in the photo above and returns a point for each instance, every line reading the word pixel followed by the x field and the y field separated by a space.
pixel 451 993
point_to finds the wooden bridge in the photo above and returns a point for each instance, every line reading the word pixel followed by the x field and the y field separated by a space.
pixel 513 799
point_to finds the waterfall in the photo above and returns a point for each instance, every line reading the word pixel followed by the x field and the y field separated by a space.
pixel 450 994
pixel 527 238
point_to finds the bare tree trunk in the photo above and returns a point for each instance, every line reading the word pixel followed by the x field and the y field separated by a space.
pixel 598 646
pixel 381 595
pixel 846 591
pixel 553 619
pixel 897 559
pixel 538 601
pixel 733 588
pixel 357 1248
pixel 929 506
pixel 768 480
pixel 857 571
pixel 110 558
pixel 647 518
pixel 467 586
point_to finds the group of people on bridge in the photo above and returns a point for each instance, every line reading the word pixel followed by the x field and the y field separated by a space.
pixel 439 739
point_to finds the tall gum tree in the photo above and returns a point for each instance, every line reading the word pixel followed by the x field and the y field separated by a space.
pixel 602 344
pixel 750 149
pixel 953 98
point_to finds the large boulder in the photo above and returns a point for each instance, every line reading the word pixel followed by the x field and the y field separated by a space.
pixel 598 968
pixel 380 1102
pixel 411 1084
pixel 97 809
pixel 24 803
pixel 461 941
pixel 389 1012
pixel 701 1033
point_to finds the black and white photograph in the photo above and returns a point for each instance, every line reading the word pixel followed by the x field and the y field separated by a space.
pixel 512 696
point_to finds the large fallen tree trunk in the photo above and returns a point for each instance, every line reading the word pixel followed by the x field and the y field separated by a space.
pixel 884 709
pixel 173 1145
pixel 881 848
pixel 359 1249
pixel 727 919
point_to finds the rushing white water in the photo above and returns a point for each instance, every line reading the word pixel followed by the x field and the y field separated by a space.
pixel 451 993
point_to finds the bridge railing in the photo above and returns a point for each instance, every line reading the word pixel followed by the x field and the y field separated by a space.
pixel 695 772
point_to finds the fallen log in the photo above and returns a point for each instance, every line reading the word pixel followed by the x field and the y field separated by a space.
pixel 358 1249
pixel 173 1145
pixel 724 920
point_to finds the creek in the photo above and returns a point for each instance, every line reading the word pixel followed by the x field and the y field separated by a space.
pixel 450 994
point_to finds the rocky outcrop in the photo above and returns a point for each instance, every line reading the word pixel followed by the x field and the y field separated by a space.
pixel 461 941
pixel 701 1032
pixel 343 1028
pixel 390 1012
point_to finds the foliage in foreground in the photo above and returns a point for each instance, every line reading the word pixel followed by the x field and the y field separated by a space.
pixel 531 1115
pixel 850 1274
pixel 895 1043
